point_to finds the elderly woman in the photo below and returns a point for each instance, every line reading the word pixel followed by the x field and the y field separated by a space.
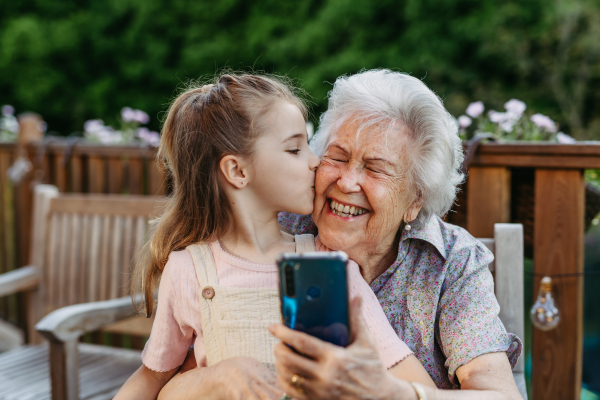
pixel 390 168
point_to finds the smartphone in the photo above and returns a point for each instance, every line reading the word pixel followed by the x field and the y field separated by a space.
pixel 313 288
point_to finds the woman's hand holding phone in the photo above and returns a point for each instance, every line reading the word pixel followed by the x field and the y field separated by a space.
pixel 350 373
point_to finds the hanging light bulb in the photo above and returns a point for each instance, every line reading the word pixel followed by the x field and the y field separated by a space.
pixel 544 314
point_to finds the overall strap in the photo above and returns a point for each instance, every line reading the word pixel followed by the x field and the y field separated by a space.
pixel 204 264
pixel 305 243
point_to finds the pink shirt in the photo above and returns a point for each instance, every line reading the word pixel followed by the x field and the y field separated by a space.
pixel 178 324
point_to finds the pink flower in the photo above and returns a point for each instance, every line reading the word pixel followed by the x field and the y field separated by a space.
pixel 149 137
pixel 544 122
pixel 475 109
pixel 141 117
pixel 8 110
pixel 464 121
pixel 516 107
pixel 128 114
pixel 496 116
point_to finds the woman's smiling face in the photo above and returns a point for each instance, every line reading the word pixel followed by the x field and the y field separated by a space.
pixel 361 192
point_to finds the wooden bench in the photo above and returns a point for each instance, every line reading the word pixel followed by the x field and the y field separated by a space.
pixel 82 247
pixel 507 268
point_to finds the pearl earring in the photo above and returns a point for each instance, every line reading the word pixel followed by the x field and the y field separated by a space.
pixel 407 227
pixel 242 182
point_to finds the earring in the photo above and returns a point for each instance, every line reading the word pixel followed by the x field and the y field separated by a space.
pixel 407 227
pixel 243 182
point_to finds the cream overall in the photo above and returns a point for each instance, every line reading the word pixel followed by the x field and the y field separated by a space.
pixel 235 320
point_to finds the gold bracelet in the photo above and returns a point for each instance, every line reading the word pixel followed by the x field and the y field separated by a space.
pixel 419 390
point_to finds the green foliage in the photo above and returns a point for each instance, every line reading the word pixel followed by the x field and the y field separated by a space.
pixel 75 60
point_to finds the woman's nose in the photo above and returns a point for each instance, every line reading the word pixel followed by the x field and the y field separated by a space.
pixel 348 182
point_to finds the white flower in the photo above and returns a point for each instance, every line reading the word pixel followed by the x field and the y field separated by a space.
pixel 496 116
pixel 516 107
pixel 544 122
pixel 475 109
pixel 464 121
pixel 93 126
pixel 8 110
pixel 128 114
pixel 564 138
pixel 507 126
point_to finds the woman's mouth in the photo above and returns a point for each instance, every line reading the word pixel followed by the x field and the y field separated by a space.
pixel 345 210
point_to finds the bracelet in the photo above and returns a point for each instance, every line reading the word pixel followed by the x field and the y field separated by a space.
pixel 419 390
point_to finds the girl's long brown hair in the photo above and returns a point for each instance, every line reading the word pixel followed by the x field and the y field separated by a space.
pixel 203 124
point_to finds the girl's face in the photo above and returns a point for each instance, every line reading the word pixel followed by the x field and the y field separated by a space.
pixel 283 167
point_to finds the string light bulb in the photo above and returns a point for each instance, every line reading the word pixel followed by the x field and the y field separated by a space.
pixel 544 314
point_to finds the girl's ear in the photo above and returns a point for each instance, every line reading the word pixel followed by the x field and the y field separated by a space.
pixel 233 171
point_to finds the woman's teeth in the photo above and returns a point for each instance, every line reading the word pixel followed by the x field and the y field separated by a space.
pixel 345 210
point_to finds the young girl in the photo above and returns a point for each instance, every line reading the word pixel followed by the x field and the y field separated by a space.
pixel 238 155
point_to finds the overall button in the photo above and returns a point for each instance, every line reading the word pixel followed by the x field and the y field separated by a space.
pixel 208 292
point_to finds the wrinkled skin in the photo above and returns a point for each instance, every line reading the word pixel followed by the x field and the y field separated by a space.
pixel 238 378
pixel 367 170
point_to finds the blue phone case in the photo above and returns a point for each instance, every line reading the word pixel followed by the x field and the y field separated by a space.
pixel 314 294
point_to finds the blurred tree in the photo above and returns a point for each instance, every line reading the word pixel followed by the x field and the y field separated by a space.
pixel 79 59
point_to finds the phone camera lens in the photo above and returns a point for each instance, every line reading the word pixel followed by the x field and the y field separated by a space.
pixel 289 281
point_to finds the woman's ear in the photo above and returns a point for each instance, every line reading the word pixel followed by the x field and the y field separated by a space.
pixel 413 210
pixel 234 171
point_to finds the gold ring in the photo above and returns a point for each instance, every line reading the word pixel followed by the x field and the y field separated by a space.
pixel 297 382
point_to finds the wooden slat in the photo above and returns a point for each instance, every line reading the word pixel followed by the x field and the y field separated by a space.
pixel 135 168
pixel 51 267
pixel 508 280
pixel 105 278
pixel 128 249
pixel 86 232
pixel 116 251
pixel 76 174
pixel 109 205
pixel 9 244
pixel 73 267
pixel 96 174
pixel 115 175
pixel 63 249
pixel 83 149
pixel 510 160
pixel 59 172
pixel 558 249
pixel 488 199
pixel 94 259
pixel 138 325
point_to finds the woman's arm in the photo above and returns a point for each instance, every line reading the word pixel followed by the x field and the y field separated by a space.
pixel 144 384
pixel 351 373
pixel 238 378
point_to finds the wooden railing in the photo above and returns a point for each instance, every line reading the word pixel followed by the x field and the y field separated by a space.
pixel 72 167
pixel 500 175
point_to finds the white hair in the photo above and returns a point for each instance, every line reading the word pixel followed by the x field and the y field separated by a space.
pixel 380 99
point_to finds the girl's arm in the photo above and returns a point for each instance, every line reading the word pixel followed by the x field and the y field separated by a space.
pixel 144 384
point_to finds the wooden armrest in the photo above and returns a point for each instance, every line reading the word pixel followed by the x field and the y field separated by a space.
pixel 72 322
pixel 19 280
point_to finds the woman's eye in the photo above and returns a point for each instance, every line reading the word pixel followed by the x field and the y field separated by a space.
pixel 295 151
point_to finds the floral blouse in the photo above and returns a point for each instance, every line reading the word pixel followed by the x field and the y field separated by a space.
pixel 439 297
